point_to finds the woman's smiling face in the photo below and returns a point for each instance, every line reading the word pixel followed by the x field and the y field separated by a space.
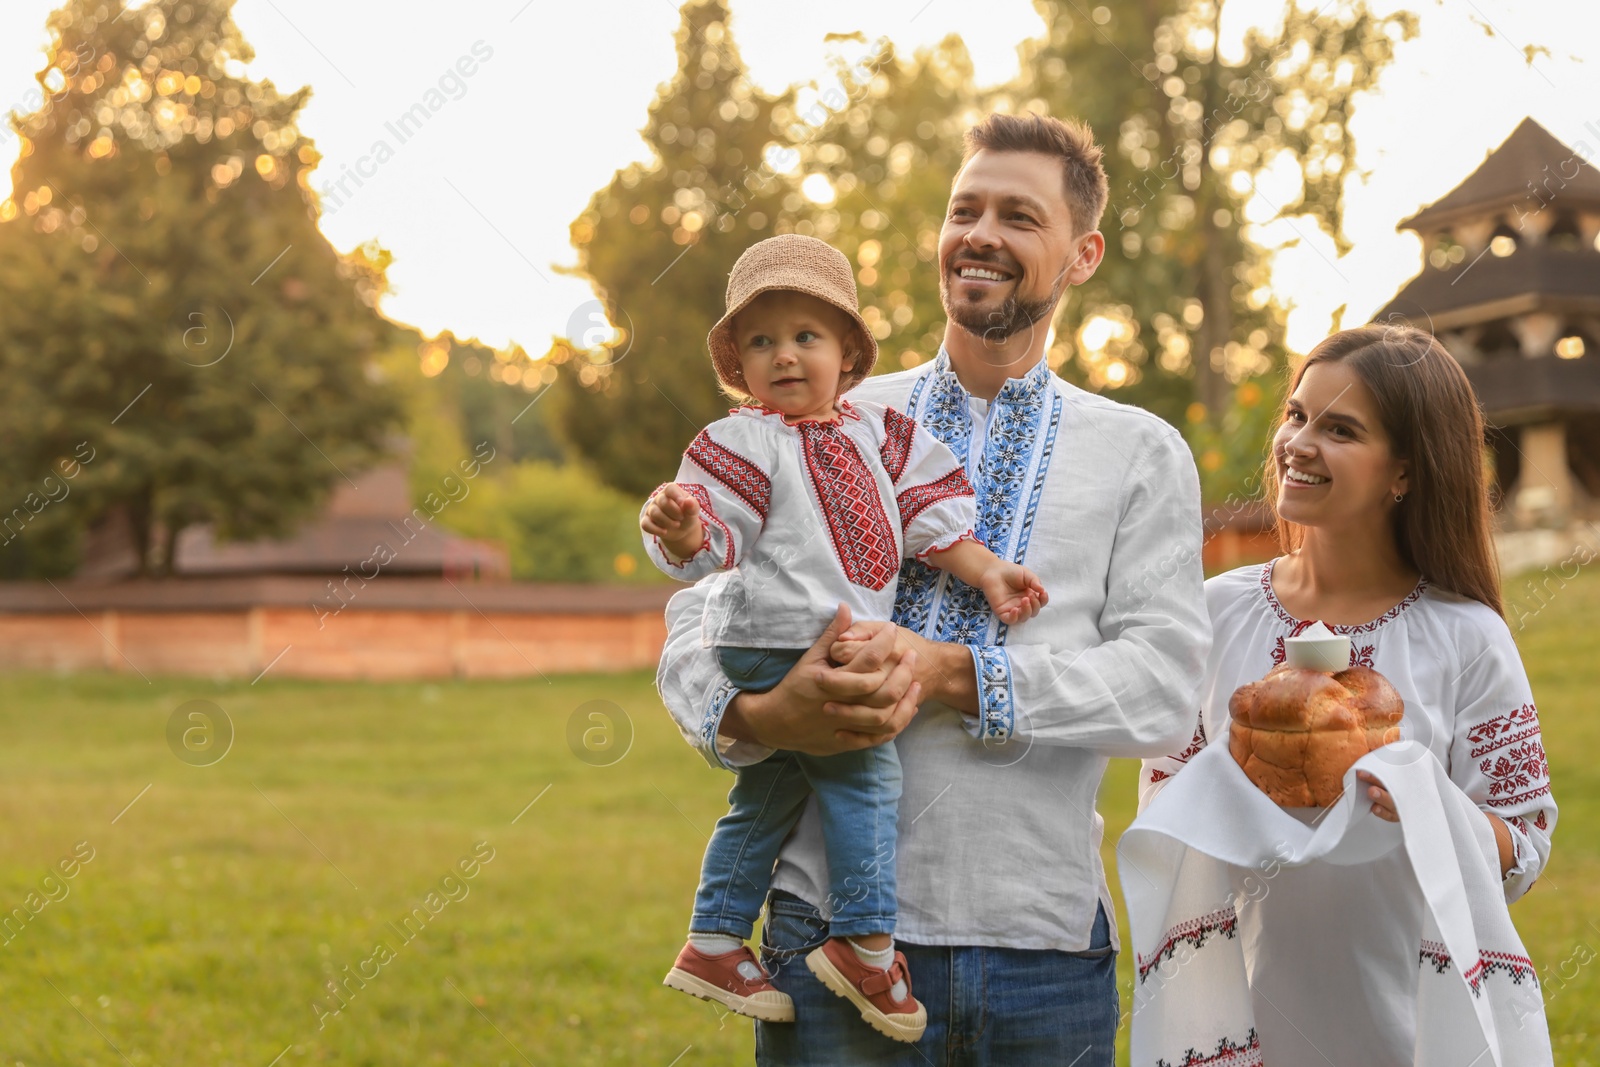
pixel 1334 461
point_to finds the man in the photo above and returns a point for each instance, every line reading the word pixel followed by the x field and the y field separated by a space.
pixel 1005 918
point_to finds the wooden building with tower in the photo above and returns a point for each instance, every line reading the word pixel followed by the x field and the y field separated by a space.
pixel 1511 286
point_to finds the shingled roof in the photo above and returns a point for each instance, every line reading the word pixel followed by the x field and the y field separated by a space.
pixel 1534 277
pixel 1532 167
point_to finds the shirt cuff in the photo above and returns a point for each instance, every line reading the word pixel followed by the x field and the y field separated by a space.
pixel 720 750
pixel 996 720
pixel 947 541
pixel 1522 852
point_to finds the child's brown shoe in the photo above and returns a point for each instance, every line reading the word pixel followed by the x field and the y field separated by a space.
pixel 838 967
pixel 736 980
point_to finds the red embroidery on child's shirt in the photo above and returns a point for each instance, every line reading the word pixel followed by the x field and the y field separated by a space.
pixel 863 539
pixel 916 499
pixel 743 478
pixel 899 431
pixel 708 515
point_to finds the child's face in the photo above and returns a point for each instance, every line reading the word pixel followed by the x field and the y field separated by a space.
pixel 791 347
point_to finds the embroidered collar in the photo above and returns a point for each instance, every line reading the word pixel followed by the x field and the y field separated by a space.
pixel 1357 628
pixel 844 410
pixel 1015 390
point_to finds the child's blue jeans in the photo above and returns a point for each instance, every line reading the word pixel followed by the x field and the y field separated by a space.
pixel 858 795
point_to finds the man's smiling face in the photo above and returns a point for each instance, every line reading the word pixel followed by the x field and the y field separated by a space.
pixel 1007 244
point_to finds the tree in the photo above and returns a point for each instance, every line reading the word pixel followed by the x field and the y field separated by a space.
pixel 1189 134
pixel 165 294
pixel 1178 316
pixel 658 243
pixel 889 153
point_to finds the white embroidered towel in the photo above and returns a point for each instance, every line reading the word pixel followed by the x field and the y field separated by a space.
pixel 1265 935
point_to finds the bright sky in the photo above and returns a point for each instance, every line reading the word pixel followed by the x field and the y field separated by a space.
pixel 476 205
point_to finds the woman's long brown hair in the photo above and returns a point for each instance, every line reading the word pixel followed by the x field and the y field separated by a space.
pixel 1433 421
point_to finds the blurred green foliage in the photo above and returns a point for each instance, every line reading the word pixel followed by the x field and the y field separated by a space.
pixel 166 296
pixel 1180 313
pixel 157 187
pixel 1231 450
pixel 658 242
pixel 559 524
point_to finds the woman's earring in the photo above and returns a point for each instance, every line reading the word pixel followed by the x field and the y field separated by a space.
pixel 1399 497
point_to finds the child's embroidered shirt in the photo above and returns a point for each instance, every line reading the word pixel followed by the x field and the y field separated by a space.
pixel 804 516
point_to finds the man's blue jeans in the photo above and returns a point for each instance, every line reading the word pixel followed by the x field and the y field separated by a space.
pixel 986 1006
pixel 858 797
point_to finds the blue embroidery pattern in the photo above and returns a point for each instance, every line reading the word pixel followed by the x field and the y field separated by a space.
pixel 997 714
pixel 1019 441
pixel 913 597
pixel 721 697
pixel 948 418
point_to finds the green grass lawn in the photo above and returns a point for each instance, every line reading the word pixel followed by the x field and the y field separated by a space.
pixel 215 908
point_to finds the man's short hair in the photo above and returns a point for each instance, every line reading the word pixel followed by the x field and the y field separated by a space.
pixel 1068 140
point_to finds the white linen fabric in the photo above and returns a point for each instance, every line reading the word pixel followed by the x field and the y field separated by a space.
pixel 1307 936
pixel 804 516
pixel 999 839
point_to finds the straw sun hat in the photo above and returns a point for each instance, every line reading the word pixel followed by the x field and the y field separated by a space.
pixel 802 264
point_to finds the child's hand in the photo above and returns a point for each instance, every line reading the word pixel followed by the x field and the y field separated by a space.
pixel 673 516
pixel 1014 592
pixel 844 650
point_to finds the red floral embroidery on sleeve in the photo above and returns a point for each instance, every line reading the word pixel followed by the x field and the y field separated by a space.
pixel 1518 774
pixel 1516 725
pixel 1511 755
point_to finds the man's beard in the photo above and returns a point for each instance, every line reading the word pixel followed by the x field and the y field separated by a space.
pixel 1014 315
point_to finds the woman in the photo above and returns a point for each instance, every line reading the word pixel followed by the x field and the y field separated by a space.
pixel 1376 473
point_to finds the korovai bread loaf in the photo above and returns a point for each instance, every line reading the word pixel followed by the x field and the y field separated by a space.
pixel 1296 732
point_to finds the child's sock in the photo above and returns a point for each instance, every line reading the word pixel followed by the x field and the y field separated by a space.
pixel 883 959
pixel 713 944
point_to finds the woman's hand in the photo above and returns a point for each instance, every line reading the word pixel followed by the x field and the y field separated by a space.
pixel 1382 803
pixel 1383 807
